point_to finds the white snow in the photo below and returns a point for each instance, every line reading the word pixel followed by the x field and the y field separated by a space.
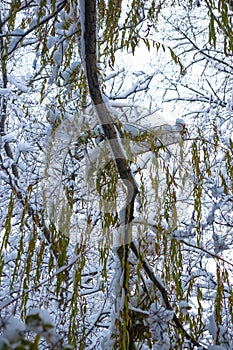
pixel 51 41
pixel 17 32
pixel 132 129
pixel 10 137
pixel 58 55
pixel 18 82
pixel 25 147
pixel 5 91
pixel 43 315
pixel 82 22
pixel 40 321
pixel 13 328
pixel 211 326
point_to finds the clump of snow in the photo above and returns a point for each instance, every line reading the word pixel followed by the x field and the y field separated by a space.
pixel 18 82
pixel 82 22
pixel 40 321
pixel 51 42
pixel 43 316
pixel 184 307
pixel 211 326
pixel 25 147
pixel 17 32
pixel 158 320
pixel 5 92
pixel 58 55
pixel 4 343
pixel 180 121
pixel 12 328
pixel 229 104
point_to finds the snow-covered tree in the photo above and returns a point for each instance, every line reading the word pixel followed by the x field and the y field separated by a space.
pixel 116 222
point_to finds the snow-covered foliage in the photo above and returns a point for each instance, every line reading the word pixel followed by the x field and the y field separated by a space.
pixel 61 198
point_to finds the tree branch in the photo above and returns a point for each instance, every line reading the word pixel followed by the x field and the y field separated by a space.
pixel 164 294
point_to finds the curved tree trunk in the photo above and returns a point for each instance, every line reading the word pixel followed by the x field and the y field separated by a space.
pixel 122 322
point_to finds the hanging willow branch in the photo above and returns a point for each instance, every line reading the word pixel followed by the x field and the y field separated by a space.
pixel 157 284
